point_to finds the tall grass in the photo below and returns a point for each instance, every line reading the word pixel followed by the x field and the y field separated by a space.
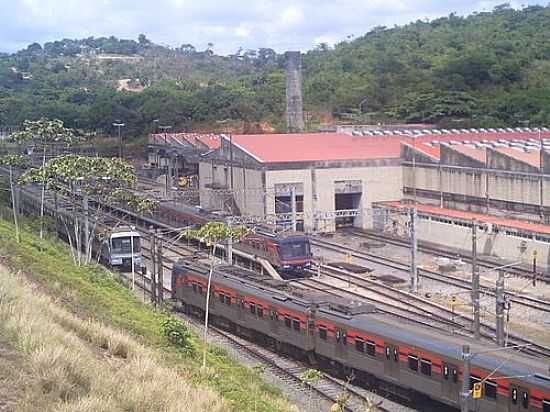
pixel 91 306
pixel 87 366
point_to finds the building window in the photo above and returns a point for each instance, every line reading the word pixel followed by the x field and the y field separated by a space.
pixel 296 324
pixel 360 345
pixel 323 332
pixel 371 348
pixel 426 367
pixel 288 322
pixel 490 389
pixel 413 362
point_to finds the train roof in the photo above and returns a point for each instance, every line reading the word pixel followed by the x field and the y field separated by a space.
pixel 124 231
pixel 363 317
pixel 509 362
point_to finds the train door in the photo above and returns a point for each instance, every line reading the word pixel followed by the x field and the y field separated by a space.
pixel 519 399
pixel 341 343
pixel 391 364
pixel 450 385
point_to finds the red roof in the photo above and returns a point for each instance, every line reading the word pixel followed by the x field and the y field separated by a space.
pixel 304 147
pixel 474 153
pixel 531 158
pixel 459 214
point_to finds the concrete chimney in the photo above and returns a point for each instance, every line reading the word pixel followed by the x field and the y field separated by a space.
pixel 294 105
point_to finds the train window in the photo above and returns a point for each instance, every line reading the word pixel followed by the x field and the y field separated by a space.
pixel 296 324
pixel 490 389
pixel 395 355
pixel 288 322
pixel 227 300
pixel 446 372
pixel 273 314
pixel 360 344
pixel 200 290
pixel 455 375
pixel 260 312
pixel 222 298
pixel 413 362
pixel 344 338
pixel 371 348
pixel 323 332
pixel 426 367
pixel 524 400
pixel 514 396
pixel 546 405
pixel 388 352
pixel 253 308
pixel 194 286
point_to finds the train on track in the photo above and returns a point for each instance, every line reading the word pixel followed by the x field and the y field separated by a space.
pixel 350 338
pixel 287 252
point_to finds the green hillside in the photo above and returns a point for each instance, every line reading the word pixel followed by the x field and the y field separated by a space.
pixel 484 69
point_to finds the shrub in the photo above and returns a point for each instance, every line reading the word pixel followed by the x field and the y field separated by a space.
pixel 177 333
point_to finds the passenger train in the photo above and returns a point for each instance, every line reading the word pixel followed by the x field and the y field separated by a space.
pixel 286 252
pixel 356 339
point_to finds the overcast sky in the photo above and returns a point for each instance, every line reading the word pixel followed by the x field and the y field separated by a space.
pixel 228 24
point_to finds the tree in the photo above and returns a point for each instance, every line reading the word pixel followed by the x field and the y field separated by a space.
pixel 14 162
pixel 212 234
pixel 45 134
pixel 108 181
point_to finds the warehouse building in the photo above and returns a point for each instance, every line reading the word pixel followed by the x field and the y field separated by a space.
pixel 502 174
pixel 331 178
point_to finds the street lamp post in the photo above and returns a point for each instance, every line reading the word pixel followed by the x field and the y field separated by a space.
pixel 119 126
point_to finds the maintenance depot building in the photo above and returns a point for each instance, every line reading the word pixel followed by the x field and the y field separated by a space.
pixel 335 177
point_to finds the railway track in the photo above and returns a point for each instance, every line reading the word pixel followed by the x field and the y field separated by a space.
pixel 482 262
pixel 521 299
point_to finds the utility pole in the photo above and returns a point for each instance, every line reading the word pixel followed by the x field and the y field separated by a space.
pixel 414 250
pixel 293 206
pixel 86 207
pixel 229 254
pixel 153 265
pixel 160 271
pixel 166 157
pixel 475 282
pixel 500 303
pixel 465 394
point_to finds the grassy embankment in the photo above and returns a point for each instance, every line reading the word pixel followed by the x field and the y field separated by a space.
pixel 79 340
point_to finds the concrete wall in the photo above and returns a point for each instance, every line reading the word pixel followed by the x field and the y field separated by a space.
pixel 378 184
pixel 502 245
pixel 215 182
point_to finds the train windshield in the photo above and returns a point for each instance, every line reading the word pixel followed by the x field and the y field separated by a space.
pixel 124 244
pixel 296 249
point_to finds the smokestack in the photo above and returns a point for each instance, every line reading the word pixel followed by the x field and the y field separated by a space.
pixel 294 106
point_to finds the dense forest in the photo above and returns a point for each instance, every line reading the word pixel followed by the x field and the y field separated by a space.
pixel 490 68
